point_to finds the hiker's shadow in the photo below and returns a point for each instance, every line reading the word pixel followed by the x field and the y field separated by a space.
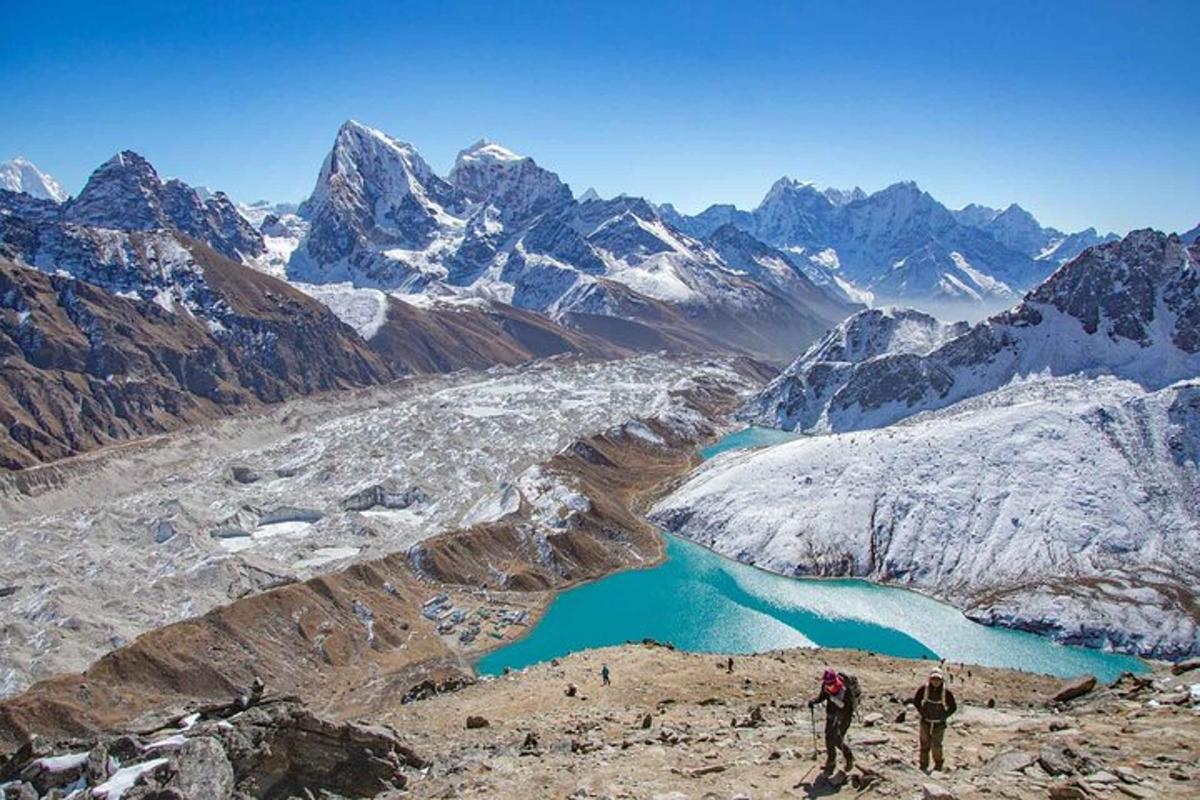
pixel 821 786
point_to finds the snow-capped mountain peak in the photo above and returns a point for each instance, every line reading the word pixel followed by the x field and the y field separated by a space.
pixel 516 185
pixel 785 186
pixel 487 150
pixel 20 175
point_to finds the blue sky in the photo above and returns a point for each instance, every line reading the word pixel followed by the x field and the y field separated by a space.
pixel 1085 113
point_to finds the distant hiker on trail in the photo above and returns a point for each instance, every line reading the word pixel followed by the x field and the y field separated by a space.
pixel 604 675
pixel 839 693
pixel 729 666
pixel 935 703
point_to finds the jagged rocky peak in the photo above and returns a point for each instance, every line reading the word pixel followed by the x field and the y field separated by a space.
pixel 126 193
pixel 976 215
pixel 20 175
pixel 790 187
pixel 797 397
pixel 840 197
pixel 375 191
pixel 878 331
pixel 516 185
pixel 1122 289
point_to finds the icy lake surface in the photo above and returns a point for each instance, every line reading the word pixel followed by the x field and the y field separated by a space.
pixel 703 602
pixel 747 438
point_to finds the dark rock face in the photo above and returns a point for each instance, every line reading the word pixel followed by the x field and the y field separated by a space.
pixel 1118 287
pixel 272 750
pixel 279 751
pixel 126 193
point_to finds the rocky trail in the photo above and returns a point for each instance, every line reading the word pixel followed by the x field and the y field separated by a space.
pixel 671 726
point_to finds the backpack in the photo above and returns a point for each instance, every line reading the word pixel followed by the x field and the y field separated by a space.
pixel 853 689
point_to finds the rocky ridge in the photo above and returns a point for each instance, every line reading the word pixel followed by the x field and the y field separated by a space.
pixel 84 367
pixel 1129 308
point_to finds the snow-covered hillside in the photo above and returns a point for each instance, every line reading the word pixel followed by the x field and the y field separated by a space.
pixel 1039 470
pixel 19 175
pixel 1129 308
pixel 1069 506
pixel 796 397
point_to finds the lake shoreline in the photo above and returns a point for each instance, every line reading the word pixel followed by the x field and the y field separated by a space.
pixel 480 663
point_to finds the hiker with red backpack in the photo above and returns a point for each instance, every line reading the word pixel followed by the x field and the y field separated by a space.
pixel 840 694
pixel 935 703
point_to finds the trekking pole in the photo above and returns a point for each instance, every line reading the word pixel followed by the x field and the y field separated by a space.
pixel 812 715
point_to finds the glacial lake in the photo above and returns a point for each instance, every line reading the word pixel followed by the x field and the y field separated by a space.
pixel 747 438
pixel 703 602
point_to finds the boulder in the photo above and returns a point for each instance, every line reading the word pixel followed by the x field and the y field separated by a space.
pixel 1060 759
pixel 243 474
pixel 164 531
pixel 51 772
pixel 474 722
pixel 1076 690
pixel 935 791
pixel 202 770
pixel 282 749
pixel 1187 665
pixel 1008 761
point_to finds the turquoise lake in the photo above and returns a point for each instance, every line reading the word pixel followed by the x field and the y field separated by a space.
pixel 703 602
pixel 746 438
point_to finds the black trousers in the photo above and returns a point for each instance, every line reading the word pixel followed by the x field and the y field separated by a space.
pixel 835 738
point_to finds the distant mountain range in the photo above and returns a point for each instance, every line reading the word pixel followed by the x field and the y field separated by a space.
pixel 497 262
pixel 901 246
pixel 502 227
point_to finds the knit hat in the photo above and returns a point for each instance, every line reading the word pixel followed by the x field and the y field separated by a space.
pixel 935 673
